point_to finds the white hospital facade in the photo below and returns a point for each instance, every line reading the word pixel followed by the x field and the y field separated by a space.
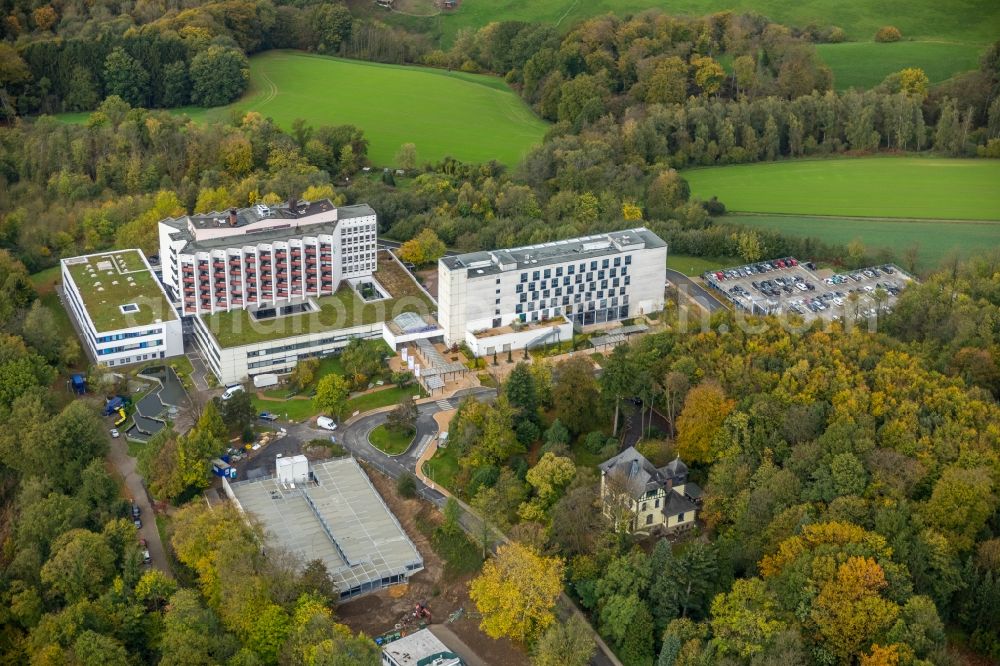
pixel 257 288
pixel 507 299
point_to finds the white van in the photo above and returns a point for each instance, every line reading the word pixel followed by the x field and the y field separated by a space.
pixel 231 391
pixel 326 423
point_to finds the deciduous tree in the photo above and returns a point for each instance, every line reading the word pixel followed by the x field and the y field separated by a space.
pixel 516 593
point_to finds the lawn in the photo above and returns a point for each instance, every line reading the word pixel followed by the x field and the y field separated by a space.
pixel 693 266
pixel 470 117
pixel 934 239
pixel 44 283
pixel 894 187
pixel 300 409
pixel 442 468
pixel 866 64
pixel 971 21
pixel 390 442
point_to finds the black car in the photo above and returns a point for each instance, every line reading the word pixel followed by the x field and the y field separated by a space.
pixel 135 510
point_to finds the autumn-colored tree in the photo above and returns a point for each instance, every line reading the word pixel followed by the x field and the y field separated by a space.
pixel 631 212
pixel 850 612
pixel 517 592
pixel 881 655
pixel 425 248
pixel 913 81
pixel 700 421
pixel 708 74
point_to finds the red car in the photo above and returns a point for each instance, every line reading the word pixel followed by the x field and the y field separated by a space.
pixel 792 262
pixel 720 275
pixel 781 264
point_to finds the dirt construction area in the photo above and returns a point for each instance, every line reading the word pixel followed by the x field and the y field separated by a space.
pixel 443 595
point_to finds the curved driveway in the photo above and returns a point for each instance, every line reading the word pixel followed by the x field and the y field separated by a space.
pixel 694 291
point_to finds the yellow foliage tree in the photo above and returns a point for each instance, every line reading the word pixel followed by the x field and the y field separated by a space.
pixel 698 426
pixel 141 232
pixel 708 74
pixel 517 592
pixel 631 212
pixel 913 81
pixel 887 655
pixel 213 199
pixel 425 248
pixel 850 611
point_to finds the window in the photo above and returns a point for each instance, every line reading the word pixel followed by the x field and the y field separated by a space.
pixel 524 277
pixel 680 518
pixel 605 264
pixel 643 506
pixel 618 261
pixel 628 259
pixel 559 271
pixel 649 519
pixel 548 273
pixel 593 265
pixel 519 288
pixel 534 275
pixel 657 503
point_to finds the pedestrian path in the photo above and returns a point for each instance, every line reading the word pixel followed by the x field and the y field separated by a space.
pixel 443 405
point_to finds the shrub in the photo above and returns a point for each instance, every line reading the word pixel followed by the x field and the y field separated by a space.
pixel 406 486
pixel 594 442
pixel 836 35
pixel 888 33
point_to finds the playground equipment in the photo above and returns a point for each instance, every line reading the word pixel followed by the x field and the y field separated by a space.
pixel 122 417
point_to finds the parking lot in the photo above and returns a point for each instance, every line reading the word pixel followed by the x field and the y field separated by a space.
pixel 785 286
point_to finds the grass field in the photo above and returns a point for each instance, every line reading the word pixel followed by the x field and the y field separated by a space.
pixel 972 20
pixel 390 442
pixel 892 202
pixel 866 64
pixel 470 117
pixel 692 266
pixel 895 187
pixel 934 239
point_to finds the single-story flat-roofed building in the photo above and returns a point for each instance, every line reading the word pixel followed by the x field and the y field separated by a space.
pixel 331 511
pixel 421 648
pixel 120 308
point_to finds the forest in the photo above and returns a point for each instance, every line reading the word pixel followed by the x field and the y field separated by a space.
pixel 851 477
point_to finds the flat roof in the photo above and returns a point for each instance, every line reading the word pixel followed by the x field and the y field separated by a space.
pixel 251 226
pixel 342 310
pixel 556 252
pixel 119 290
pixel 416 647
pixel 339 519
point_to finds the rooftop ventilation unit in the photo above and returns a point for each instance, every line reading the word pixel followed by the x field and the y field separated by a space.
pixel 262 210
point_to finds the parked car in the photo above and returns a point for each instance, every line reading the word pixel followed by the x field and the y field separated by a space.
pixel 138 523
pixel 114 433
pixel 231 391
pixel 135 510
pixel 326 423
pixel 267 416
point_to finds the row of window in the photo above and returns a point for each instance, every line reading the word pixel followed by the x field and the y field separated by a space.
pixel 573 268
pixel 555 303
pixel 126 336
pixel 567 280
pixel 104 351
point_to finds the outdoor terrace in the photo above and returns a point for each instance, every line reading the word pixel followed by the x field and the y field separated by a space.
pixel 342 310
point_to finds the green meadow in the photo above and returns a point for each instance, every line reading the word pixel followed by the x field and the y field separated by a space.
pixel 934 239
pixel 866 64
pixel 471 117
pixel 888 202
pixel 895 187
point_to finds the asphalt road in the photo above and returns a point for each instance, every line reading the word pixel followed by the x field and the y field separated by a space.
pixel 118 455
pixel 694 291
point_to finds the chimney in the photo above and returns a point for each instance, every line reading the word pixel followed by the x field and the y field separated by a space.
pixel 232 217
